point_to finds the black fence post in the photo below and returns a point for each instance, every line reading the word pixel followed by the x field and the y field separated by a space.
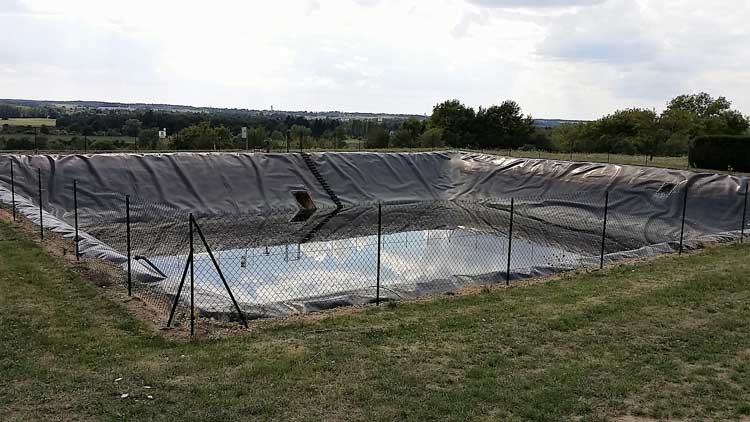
pixel 744 213
pixel 604 228
pixel 192 280
pixel 188 263
pixel 127 234
pixel 41 215
pixel 571 151
pixel 217 267
pixel 377 279
pixel 684 212
pixel 75 211
pixel 13 189
pixel 510 242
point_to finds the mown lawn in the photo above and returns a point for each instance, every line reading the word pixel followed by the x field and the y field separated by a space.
pixel 668 338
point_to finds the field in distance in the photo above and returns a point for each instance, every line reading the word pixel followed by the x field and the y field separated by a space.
pixel 31 121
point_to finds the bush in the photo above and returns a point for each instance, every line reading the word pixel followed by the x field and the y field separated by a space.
pixel 721 152
pixel 19 144
pixel 102 145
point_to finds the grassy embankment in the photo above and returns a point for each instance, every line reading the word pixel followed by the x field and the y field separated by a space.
pixel 665 338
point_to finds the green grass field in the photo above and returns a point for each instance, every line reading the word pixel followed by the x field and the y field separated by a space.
pixel 35 122
pixel 668 338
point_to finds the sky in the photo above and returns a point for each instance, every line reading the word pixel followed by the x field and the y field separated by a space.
pixel 575 59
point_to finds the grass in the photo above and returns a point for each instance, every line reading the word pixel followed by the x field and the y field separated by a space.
pixel 30 121
pixel 668 338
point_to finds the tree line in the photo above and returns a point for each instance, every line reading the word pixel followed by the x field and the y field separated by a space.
pixel 642 131
pixel 452 124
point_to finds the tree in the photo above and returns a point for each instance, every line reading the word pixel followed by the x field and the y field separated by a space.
pixel 278 138
pixel 432 138
pixel 503 125
pixel 378 137
pixel 203 137
pixel 339 136
pixel 402 138
pixel 149 138
pixel 702 105
pixel 637 127
pixel 415 128
pixel 256 137
pixel 701 114
pixel 299 133
pixel 132 128
pixel 457 122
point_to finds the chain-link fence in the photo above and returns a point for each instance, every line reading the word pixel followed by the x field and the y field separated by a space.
pixel 239 267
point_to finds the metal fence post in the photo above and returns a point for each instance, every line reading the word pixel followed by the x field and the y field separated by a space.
pixel 41 215
pixel 192 280
pixel 182 284
pixel 684 211
pixel 604 228
pixel 218 269
pixel 744 213
pixel 377 280
pixel 127 234
pixel 75 208
pixel 510 242
pixel 13 189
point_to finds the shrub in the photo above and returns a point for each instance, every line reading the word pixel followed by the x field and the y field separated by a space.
pixel 102 145
pixel 721 152
pixel 19 144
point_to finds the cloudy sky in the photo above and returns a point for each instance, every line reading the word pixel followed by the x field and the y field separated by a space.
pixel 557 58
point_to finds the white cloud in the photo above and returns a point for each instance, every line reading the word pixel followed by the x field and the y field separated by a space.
pixel 528 4
pixel 557 58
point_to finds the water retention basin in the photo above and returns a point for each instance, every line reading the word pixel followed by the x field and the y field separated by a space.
pixel 290 233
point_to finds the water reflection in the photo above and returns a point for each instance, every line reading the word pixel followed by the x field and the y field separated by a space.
pixel 412 263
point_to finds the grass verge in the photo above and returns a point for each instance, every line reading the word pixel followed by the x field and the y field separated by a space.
pixel 667 338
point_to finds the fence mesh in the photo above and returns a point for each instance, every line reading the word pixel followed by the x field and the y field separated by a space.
pixel 252 266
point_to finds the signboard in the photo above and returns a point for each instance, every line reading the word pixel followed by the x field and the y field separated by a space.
pixel 244 132
pixel 163 133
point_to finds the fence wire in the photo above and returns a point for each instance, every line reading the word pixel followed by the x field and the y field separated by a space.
pixel 247 266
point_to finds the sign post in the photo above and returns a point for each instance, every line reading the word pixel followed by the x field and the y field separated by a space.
pixel 162 135
pixel 244 136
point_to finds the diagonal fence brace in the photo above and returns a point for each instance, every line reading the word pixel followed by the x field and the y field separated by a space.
pixel 179 289
pixel 218 270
